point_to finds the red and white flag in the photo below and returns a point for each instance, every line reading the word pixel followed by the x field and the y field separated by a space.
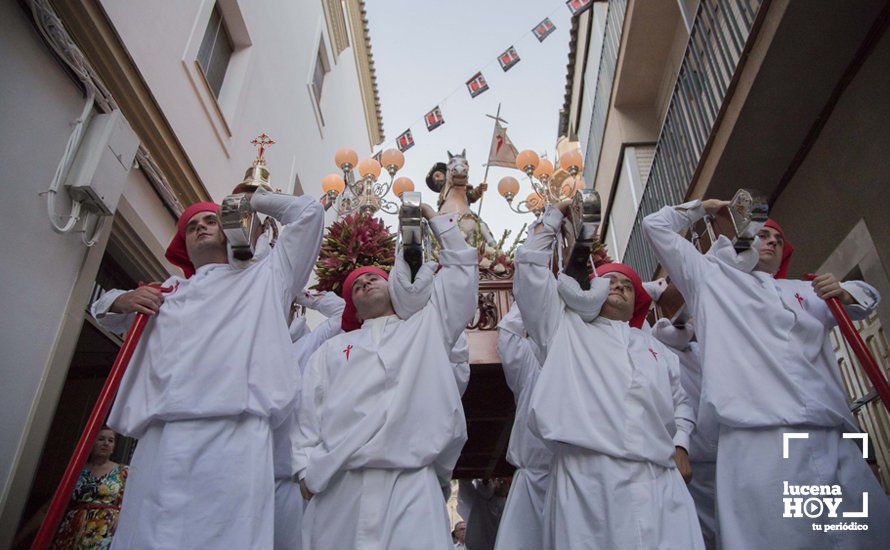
pixel 405 141
pixel 434 119
pixel 503 153
pixel 508 59
pixel 577 6
pixel 477 84
pixel 543 29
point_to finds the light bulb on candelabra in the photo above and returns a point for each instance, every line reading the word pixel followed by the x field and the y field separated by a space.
pixel 393 160
pixel 508 187
pixel 369 168
pixel 572 162
pixel 345 159
pixel 402 185
pixel 333 184
pixel 544 170
pixel 527 161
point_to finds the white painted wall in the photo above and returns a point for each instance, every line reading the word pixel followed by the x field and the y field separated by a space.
pixel 37 266
pixel 162 36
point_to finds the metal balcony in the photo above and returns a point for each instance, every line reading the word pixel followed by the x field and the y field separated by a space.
pixel 716 44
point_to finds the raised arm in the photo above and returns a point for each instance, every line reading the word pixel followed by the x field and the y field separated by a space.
pixel 308 344
pixel 534 286
pixel 858 298
pixel 516 351
pixel 299 241
pixel 456 285
pixel 683 262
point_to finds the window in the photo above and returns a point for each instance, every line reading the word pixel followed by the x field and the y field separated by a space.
pixel 215 51
pixel 321 69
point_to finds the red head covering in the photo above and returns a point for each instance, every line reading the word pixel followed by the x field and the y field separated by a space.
pixel 787 250
pixel 641 297
pixel 350 320
pixel 176 251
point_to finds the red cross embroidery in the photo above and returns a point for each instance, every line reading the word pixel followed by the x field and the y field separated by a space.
pixel 655 355
pixel 799 298
pixel 346 350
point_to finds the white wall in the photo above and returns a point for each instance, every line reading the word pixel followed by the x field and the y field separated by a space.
pixel 275 97
pixel 38 266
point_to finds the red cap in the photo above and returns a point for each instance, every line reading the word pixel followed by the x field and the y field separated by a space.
pixel 176 251
pixel 350 320
pixel 642 300
pixel 787 250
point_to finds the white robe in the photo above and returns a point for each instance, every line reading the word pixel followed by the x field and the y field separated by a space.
pixel 381 413
pixel 288 500
pixel 613 482
pixel 703 441
pixel 768 366
pixel 216 359
pixel 522 524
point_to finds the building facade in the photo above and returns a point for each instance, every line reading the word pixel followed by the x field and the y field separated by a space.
pixel 144 108
pixel 673 101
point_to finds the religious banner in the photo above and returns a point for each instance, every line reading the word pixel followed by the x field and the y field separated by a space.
pixel 502 153
pixel 405 141
pixel 477 84
pixel 508 59
pixel 434 119
pixel 544 29
pixel 578 6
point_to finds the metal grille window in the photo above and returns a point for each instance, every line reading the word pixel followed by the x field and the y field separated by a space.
pixel 215 51
pixel 322 67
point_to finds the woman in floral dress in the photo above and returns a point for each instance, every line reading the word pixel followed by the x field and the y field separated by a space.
pixel 96 502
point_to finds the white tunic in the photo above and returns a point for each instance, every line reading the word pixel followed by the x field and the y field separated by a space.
pixel 609 401
pixel 288 500
pixel 214 364
pixel 380 413
pixel 703 441
pixel 522 524
pixel 768 368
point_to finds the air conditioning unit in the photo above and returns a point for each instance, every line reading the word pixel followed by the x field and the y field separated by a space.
pixel 103 160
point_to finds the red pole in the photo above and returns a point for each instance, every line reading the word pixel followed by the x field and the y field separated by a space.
pixel 866 359
pixel 97 417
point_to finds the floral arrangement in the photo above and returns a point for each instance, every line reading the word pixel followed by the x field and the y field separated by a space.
pixel 354 241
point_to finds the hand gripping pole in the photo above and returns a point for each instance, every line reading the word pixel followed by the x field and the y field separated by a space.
pixel 866 359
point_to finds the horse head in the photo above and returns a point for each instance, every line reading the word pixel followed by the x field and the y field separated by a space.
pixel 457 169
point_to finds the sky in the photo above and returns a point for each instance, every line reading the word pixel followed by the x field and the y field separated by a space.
pixel 424 50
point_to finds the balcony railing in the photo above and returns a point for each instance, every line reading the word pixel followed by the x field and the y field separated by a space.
pixel 716 43
pixel 604 79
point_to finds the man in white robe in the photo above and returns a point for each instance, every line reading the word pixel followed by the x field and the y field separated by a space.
pixel 522 524
pixel 380 411
pixel 703 441
pixel 769 370
pixel 288 500
pixel 609 403
pixel 210 378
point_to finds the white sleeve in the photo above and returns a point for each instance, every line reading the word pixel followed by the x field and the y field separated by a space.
pixel 684 415
pixel 679 257
pixel 867 299
pixel 117 323
pixel 309 343
pixel 308 428
pixel 534 286
pixel 293 257
pixel 517 359
pixel 456 285
pixel 410 297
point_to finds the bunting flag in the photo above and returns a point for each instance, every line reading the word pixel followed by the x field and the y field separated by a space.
pixel 508 59
pixel 477 84
pixel 502 153
pixel 544 29
pixel 405 141
pixel 578 6
pixel 434 119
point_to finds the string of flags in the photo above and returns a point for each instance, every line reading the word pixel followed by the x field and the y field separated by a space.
pixel 477 84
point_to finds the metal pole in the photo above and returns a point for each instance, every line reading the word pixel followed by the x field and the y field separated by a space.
pixel 497 117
